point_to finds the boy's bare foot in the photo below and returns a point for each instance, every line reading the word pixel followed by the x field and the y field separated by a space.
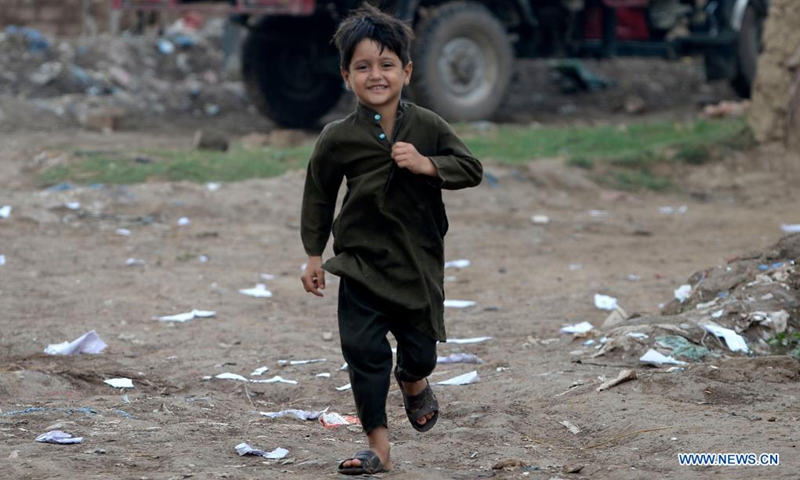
pixel 378 443
pixel 415 388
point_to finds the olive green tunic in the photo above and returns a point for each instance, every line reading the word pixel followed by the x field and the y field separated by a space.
pixel 389 235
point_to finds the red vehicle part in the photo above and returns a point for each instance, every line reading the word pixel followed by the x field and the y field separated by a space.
pixel 631 24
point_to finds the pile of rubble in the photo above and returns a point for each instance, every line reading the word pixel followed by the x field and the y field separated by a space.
pixel 98 81
pixel 749 306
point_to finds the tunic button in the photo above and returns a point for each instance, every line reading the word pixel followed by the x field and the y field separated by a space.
pixel 382 136
pixel 377 117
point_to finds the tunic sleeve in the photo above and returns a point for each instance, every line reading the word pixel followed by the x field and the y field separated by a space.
pixel 456 166
pixel 323 178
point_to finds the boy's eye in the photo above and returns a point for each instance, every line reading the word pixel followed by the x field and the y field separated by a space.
pixel 361 67
pixel 388 65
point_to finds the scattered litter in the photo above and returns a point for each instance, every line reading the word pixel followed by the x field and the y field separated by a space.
pixel 68 411
pixel 275 379
pixel 245 449
pixel 230 376
pixel 344 366
pixel 582 327
pixel 683 293
pixel 259 371
pixel 185 317
pixel 333 419
pixel 575 267
pixel 301 362
pixel 134 262
pixel 465 379
pixel 183 221
pixel 2 260
pixel 292 412
pixel 344 387
pixel 259 291
pixel 213 186
pixel 461 263
pixel 459 358
pixel 637 335
pixel 736 342
pixel 786 228
pixel 267 276
pixel 73 205
pixel 124 414
pixel 670 210
pixel 540 219
pixel 5 211
pixel 604 302
pixel 203 258
pixel 633 278
pixel 124 232
pixel 119 382
pixel 681 347
pixel 323 375
pixel 126 399
pixel 572 428
pixel 717 314
pixel 623 376
pixel 459 303
pixel 59 437
pixel 89 342
pixel 464 341
pixel 655 357
pixel 617 317
pixel 598 213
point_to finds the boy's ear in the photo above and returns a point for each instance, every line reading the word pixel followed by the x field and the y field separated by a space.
pixel 408 69
pixel 346 78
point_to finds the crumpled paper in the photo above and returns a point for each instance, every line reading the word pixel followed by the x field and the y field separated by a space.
pixel 59 437
pixel 245 449
pixel 89 342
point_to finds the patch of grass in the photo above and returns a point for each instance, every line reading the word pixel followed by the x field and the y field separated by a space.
pixel 639 180
pixel 174 165
pixel 581 162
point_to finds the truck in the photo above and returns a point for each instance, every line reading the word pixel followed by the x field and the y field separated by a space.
pixel 464 51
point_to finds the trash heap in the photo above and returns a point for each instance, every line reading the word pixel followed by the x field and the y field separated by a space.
pixel 749 306
pixel 124 76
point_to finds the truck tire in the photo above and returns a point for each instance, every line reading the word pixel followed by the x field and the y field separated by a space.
pixel 748 48
pixel 284 75
pixel 463 62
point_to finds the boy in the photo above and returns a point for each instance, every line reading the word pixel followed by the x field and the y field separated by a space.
pixel 388 237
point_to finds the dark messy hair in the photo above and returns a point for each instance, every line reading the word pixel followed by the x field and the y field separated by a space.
pixel 370 23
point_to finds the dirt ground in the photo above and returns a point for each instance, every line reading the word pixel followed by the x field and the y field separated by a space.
pixel 66 274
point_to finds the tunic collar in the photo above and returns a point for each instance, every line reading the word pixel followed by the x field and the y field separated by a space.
pixel 367 114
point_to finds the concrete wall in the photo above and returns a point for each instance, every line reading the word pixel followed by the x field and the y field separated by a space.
pixel 57 17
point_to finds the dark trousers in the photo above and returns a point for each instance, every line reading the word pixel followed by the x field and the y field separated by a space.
pixel 364 322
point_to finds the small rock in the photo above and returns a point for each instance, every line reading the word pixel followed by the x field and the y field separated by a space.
pixel 509 463
pixel 634 105
pixel 327 336
pixel 573 468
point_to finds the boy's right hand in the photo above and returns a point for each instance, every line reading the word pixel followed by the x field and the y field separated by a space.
pixel 314 276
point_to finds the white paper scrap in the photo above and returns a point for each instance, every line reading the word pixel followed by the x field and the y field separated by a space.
pixel 131 262
pixel 89 342
pixel 604 302
pixel 459 303
pixel 231 376
pixel 73 205
pixel 334 419
pixel 459 358
pixel 124 232
pixel 652 356
pixel 185 317
pixel 323 375
pixel 259 371
pixel 540 219
pixel 2 260
pixel 718 313
pixel 344 366
pixel 683 293
pixel 259 291
pixel 275 379
pixel 598 213
pixel 637 335
pixel 465 379
pixel 267 276
pixel 464 341
pixel 59 437
pixel 344 387
pixel 213 186
pixel 785 227
pixel 292 412
pixel 183 221
pixel 245 449
pixel 736 342
pixel 5 211
pixel 119 382
pixel 460 263
pixel 582 327
pixel 301 362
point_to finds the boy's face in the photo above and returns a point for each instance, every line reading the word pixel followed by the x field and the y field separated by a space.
pixel 377 78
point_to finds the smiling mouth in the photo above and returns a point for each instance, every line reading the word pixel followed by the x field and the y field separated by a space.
pixel 379 88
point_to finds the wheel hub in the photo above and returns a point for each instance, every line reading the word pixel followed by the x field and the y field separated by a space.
pixel 463 67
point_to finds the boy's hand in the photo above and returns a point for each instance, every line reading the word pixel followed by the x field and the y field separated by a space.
pixel 314 277
pixel 406 156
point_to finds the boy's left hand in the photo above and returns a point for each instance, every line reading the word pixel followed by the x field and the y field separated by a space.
pixel 406 156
